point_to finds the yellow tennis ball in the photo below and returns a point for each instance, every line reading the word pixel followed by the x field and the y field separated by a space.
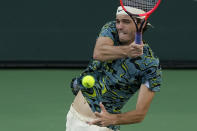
pixel 88 81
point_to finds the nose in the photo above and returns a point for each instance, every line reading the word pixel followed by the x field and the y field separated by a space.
pixel 120 25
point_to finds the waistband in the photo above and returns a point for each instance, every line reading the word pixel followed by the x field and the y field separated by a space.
pixel 84 118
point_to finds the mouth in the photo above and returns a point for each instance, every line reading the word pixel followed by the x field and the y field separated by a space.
pixel 123 36
pixel 122 33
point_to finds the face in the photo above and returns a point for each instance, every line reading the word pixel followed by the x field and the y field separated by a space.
pixel 126 29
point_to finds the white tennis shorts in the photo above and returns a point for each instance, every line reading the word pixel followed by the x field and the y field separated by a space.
pixel 77 122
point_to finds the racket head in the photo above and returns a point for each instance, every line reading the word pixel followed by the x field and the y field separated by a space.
pixel 141 8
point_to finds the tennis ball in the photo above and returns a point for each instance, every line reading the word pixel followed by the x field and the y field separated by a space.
pixel 88 81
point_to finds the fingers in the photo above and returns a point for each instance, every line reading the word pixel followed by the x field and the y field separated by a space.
pixel 97 122
pixel 137 46
pixel 135 54
pixel 102 107
pixel 94 122
pixel 102 119
pixel 135 50
pixel 103 110
pixel 97 114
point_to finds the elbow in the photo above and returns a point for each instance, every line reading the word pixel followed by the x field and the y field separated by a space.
pixel 95 56
pixel 98 56
pixel 141 117
pixel 140 120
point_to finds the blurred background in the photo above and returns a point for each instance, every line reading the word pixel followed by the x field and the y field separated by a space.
pixel 62 33
pixel 45 43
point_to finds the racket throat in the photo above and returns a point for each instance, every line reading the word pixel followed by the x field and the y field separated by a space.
pixel 138 37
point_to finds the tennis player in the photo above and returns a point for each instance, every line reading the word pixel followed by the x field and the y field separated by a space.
pixel 120 68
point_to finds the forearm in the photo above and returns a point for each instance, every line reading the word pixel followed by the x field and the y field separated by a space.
pixel 108 52
pixel 135 116
pixel 129 117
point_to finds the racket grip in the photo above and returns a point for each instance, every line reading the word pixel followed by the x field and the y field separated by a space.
pixel 138 37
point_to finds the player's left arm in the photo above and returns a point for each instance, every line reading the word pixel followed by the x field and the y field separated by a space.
pixel 144 100
pixel 135 116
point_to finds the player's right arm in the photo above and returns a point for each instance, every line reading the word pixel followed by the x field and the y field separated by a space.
pixel 105 50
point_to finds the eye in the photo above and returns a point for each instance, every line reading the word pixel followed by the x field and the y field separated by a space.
pixel 117 21
pixel 126 21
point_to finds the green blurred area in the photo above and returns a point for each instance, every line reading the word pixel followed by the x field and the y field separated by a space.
pixel 38 100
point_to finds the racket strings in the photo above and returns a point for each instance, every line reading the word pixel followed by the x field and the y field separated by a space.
pixel 145 5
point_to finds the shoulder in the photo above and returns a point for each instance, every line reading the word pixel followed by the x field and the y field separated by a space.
pixel 111 24
pixel 109 30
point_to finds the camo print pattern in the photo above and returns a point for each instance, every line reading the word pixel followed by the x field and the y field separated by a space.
pixel 118 80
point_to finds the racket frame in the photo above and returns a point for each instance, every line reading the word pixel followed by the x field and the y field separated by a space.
pixel 138 35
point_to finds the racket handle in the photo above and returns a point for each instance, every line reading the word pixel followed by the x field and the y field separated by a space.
pixel 138 37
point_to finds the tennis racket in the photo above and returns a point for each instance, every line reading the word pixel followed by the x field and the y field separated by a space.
pixel 147 6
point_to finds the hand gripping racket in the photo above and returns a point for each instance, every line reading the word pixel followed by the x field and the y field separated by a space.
pixel 145 6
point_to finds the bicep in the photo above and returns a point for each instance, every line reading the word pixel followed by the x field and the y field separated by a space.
pixel 101 41
pixel 145 97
